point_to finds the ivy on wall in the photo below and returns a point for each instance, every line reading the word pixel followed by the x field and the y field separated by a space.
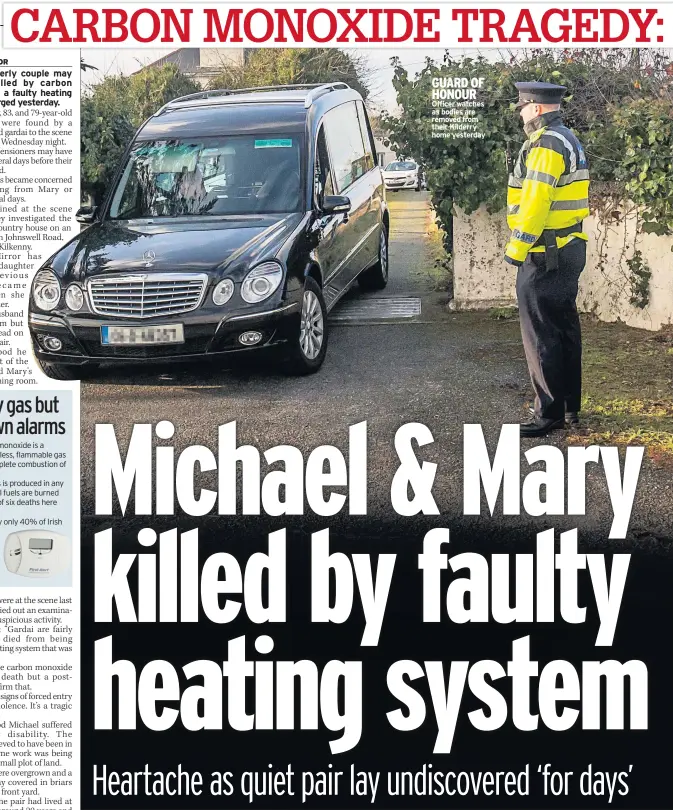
pixel 645 128
pixel 619 102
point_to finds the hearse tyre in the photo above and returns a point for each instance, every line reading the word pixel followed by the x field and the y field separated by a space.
pixel 59 372
pixel 307 352
pixel 376 277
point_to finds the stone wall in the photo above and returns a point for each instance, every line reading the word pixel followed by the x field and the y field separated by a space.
pixel 483 280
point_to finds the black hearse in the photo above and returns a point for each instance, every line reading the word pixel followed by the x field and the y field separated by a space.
pixel 236 221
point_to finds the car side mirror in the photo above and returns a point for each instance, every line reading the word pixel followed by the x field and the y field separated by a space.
pixel 86 215
pixel 335 204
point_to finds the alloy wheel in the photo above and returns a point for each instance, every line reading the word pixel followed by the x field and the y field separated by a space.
pixel 312 330
pixel 383 253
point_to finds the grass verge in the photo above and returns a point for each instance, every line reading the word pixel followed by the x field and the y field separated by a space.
pixel 440 268
pixel 628 388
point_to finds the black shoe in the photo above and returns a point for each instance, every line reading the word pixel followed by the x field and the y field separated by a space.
pixel 572 417
pixel 540 427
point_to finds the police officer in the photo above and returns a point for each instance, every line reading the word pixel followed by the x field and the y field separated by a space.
pixel 547 199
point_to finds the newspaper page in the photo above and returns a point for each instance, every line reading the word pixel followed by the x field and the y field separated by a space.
pixel 39 441
pixel 336 406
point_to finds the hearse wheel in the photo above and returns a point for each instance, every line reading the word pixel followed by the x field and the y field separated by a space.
pixel 309 347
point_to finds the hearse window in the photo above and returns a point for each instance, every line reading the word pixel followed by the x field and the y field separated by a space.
pixel 324 185
pixel 346 146
pixel 237 174
pixel 367 138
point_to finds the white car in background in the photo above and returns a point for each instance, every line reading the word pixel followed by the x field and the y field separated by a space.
pixel 401 174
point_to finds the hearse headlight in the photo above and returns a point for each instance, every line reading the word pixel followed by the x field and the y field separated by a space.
pixel 223 292
pixel 46 290
pixel 74 297
pixel 261 282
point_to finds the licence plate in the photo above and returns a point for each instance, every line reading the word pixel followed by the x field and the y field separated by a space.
pixel 141 335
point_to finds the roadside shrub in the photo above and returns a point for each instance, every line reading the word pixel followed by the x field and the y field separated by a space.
pixel 645 128
pixel 112 110
pixel 619 102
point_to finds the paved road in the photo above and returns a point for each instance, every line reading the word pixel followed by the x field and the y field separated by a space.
pixel 442 369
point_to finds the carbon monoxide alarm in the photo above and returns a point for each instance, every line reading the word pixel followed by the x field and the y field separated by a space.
pixel 36 553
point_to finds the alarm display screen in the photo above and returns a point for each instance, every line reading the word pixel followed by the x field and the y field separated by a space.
pixel 40 543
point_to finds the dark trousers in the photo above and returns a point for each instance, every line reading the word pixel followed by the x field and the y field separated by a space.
pixel 550 328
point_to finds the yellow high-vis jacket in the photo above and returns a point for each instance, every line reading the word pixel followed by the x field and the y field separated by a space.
pixel 548 189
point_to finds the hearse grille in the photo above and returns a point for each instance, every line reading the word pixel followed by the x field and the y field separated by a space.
pixel 148 295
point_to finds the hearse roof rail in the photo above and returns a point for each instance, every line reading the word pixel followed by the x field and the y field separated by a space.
pixel 223 96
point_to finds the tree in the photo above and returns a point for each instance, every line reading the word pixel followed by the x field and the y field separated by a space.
pixel 151 88
pixel 105 130
pixel 621 109
pixel 271 66
pixel 112 111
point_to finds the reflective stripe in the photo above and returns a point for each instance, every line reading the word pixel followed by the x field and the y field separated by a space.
pixel 569 205
pixel 566 180
pixel 567 144
pixel 512 209
pixel 581 174
pixel 541 177
pixel 561 241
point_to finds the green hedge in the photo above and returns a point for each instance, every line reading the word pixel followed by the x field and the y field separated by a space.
pixel 112 110
pixel 620 103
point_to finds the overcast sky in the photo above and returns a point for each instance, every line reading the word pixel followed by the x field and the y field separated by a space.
pixel 128 61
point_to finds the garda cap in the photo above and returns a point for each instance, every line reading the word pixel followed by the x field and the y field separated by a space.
pixel 539 93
